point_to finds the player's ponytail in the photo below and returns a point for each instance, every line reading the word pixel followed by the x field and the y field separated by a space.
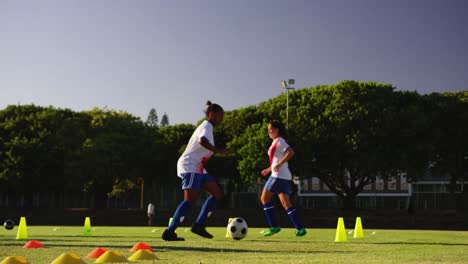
pixel 210 107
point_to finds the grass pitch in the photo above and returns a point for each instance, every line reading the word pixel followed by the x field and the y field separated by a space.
pixel 378 246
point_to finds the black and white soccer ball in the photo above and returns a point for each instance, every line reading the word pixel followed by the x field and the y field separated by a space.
pixel 237 228
pixel 9 224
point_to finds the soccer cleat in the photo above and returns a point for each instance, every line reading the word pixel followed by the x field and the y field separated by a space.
pixel 200 230
pixel 301 232
pixel 272 231
pixel 171 236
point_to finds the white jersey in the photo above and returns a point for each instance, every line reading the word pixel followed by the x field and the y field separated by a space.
pixel 276 152
pixel 195 155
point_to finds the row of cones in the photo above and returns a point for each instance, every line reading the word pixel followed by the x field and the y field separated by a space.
pixel 142 252
pixel 96 252
pixel 107 257
pixel 341 230
pixel 23 229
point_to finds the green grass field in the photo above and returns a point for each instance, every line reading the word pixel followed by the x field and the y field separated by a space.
pixel 378 246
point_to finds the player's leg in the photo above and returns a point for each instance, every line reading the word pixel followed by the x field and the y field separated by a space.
pixel 292 213
pixel 208 207
pixel 269 208
pixel 191 185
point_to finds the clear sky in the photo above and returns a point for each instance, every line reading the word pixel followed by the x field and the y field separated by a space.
pixel 174 55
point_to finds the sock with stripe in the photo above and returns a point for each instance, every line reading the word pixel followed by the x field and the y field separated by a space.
pixel 292 213
pixel 207 210
pixel 269 209
pixel 180 214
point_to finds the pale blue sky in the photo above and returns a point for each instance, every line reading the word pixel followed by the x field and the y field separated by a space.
pixel 174 55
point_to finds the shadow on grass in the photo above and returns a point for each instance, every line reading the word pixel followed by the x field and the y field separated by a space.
pixel 414 243
pixel 235 250
pixel 187 249
pixel 155 248
pixel 91 241
pixel 284 241
pixel 70 245
pixel 93 236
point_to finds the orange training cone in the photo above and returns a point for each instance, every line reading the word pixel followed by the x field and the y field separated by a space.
pixel 97 253
pixel 33 244
pixel 141 245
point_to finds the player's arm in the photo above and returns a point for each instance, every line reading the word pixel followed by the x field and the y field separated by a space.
pixel 288 155
pixel 266 171
pixel 206 144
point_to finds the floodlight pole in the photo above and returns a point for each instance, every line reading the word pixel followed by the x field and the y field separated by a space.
pixel 142 192
pixel 288 86
pixel 287 108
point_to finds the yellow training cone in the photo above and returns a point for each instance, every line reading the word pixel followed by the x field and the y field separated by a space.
pixel 14 260
pixel 358 232
pixel 227 233
pixel 68 258
pixel 22 229
pixel 340 231
pixel 111 257
pixel 87 227
pixel 143 254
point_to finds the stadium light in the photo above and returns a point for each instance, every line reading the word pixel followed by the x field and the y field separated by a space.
pixel 288 86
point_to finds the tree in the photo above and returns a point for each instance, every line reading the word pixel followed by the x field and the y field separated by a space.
pixel 117 149
pixel 346 127
pixel 251 149
pixel 164 120
pixel 171 142
pixel 345 134
pixel 449 119
pixel 40 149
pixel 152 120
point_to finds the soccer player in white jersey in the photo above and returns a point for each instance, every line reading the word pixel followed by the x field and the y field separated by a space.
pixel 279 181
pixel 190 168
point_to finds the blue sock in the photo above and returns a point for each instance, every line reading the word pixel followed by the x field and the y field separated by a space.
pixel 182 211
pixel 269 209
pixel 207 209
pixel 292 213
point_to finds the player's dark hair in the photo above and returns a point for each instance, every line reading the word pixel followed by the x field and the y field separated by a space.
pixel 210 107
pixel 282 132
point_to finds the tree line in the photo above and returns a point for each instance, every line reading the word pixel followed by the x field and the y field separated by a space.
pixel 346 134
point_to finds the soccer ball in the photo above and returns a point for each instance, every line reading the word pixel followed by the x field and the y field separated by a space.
pixel 9 224
pixel 237 228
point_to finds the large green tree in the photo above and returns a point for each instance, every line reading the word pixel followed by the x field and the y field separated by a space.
pixel 449 127
pixel 40 149
pixel 115 153
pixel 345 134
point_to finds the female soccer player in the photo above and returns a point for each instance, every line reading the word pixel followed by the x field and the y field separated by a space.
pixel 280 180
pixel 190 168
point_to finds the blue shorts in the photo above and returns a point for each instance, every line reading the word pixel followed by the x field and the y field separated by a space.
pixel 194 181
pixel 277 185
